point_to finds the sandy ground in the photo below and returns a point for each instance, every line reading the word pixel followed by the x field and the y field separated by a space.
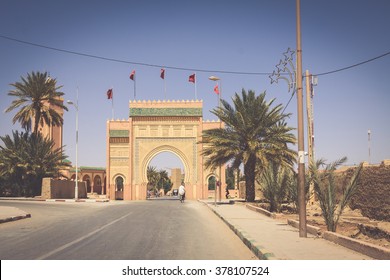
pixel 348 224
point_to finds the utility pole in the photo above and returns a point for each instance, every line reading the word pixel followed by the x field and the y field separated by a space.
pixel 301 145
pixel 309 111
pixel 310 132
pixel 369 146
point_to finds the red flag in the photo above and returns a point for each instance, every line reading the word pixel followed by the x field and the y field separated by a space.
pixel 216 89
pixel 132 74
pixel 162 74
pixel 191 79
pixel 109 93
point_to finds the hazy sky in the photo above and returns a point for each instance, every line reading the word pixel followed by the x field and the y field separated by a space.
pixel 234 36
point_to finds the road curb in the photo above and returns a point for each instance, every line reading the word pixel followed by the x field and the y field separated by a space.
pixel 55 199
pixel 15 218
pixel 77 200
pixel 257 249
pixel 368 249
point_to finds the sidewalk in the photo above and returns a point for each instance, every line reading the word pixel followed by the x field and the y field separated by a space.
pixel 274 239
pixel 9 214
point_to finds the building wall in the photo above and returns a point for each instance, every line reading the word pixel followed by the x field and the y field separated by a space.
pixel 65 189
pixel 53 132
pixel 176 177
pixel 118 157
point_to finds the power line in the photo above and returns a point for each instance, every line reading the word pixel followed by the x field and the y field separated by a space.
pixel 181 68
pixel 131 62
pixel 354 65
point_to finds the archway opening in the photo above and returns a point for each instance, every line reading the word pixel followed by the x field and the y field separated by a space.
pixel 211 184
pixel 87 180
pixel 119 182
pixel 97 184
pixel 165 174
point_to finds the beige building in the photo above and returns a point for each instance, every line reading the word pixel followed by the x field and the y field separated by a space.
pixel 53 132
pixel 154 127
pixel 176 177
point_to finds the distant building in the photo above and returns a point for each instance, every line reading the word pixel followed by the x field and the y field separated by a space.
pixel 52 132
pixel 176 177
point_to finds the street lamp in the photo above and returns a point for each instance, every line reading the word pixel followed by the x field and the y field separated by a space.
pixel 369 146
pixel 219 182
pixel 294 82
pixel 76 105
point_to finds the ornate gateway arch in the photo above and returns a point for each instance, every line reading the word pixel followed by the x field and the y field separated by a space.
pixel 154 127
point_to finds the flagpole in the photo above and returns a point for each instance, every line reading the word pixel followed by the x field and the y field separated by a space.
pixel 196 92
pixel 135 88
pixel 220 93
pixel 112 103
pixel 165 89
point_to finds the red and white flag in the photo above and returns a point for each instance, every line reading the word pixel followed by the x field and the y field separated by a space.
pixel 132 75
pixel 216 89
pixel 191 78
pixel 109 94
pixel 162 73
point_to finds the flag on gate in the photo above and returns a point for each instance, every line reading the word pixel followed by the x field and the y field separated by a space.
pixel 109 94
pixel 216 89
pixel 162 74
pixel 132 75
pixel 191 79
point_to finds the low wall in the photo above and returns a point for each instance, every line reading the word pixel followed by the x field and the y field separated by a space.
pixel 52 189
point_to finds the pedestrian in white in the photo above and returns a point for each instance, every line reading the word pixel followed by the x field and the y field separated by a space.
pixel 182 192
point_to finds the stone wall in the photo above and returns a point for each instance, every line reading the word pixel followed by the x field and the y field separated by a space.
pixel 54 189
pixel 372 196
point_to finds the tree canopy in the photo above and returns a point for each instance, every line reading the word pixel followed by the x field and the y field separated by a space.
pixel 36 98
pixel 26 158
pixel 254 134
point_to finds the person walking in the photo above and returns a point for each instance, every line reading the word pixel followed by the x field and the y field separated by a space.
pixel 182 192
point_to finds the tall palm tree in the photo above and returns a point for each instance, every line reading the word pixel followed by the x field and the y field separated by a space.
pixel 254 134
pixel 36 98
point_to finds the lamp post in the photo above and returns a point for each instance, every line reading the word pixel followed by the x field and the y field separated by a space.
pixel 294 81
pixel 219 182
pixel 301 153
pixel 76 105
pixel 369 146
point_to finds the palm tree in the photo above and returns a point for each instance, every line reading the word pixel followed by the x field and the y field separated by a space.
pixel 153 177
pixel 254 135
pixel 37 96
pixel 26 158
pixel 325 189
pixel 275 182
pixel 164 181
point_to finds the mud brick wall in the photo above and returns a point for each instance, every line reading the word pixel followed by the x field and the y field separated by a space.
pixel 54 189
pixel 373 193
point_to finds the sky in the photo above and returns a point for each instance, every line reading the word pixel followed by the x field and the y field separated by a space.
pixel 213 38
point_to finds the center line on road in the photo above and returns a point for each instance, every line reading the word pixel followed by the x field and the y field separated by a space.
pixel 45 256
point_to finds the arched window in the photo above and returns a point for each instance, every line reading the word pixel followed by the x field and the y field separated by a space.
pixel 211 183
pixel 119 183
pixel 87 181
pixel 97 181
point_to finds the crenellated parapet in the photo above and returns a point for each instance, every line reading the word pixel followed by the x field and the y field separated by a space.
pixel 166 108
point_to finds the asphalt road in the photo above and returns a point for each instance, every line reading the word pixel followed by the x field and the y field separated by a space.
pixel 141 230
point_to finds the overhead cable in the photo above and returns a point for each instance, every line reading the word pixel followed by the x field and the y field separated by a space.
pixel 181 68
